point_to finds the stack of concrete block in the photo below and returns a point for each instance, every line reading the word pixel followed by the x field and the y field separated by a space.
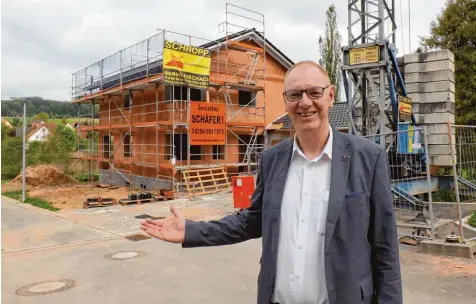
pixel 430 82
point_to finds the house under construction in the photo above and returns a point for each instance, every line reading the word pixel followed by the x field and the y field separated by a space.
pixel 139 127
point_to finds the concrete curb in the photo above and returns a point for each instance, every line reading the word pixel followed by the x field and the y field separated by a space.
pixel 466 250
pixel 58 215
pixel 467 226
pixel 453 203
pixel 67 244
pixel 109 235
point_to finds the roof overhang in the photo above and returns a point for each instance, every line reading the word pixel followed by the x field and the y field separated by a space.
pixel 263 43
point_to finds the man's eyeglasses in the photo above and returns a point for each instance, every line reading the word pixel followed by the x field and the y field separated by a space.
pixel 312 93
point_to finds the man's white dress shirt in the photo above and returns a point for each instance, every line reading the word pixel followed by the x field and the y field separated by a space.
pixel 300 276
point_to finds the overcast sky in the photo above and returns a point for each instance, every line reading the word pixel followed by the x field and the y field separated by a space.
pixel 44 41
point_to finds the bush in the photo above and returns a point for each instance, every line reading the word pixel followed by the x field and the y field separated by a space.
pixel 5 130
pixel 41 116
pixel 56 150
pixel 12 148
pixel 444 195
pixel 472 220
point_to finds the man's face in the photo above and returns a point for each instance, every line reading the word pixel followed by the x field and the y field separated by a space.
pixel 308 112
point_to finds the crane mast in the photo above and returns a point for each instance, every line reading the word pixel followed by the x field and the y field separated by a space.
pixel 370 70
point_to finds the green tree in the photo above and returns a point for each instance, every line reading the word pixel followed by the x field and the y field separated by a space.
pixel 36 154
pixel 68 139
pixel 455 30
pixel 16 121
pixel 55 150
pixel 11 156
pixel 330 50
pixel 41 116
pixel 58 148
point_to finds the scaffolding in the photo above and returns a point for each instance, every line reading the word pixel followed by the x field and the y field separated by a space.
pixel 137 128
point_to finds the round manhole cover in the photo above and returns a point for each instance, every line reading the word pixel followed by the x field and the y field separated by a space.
pixel 122 255
pixel 48 287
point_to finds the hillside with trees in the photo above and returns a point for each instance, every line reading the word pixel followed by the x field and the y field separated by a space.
pixel 35 105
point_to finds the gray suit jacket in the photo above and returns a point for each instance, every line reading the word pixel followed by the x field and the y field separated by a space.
pixel 361 250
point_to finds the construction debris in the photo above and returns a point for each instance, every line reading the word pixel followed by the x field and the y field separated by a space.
pixel 136 201
pixel 74 196
pixel 167 194
pixel 44 175
pixel 409 241
pixel 99 202
pixel 453 238
pixel 102 186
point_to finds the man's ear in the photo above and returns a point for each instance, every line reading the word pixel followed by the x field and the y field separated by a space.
pixel 331 96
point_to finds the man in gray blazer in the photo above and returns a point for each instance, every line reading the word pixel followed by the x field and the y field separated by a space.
pixel 322 206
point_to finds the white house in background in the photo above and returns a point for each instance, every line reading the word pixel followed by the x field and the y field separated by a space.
pixel 41 132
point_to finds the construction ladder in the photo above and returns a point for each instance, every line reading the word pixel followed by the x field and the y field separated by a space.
pixel 251 145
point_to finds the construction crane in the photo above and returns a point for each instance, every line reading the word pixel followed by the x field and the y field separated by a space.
pixel 372 81
pixel 377 99
pixel 374 87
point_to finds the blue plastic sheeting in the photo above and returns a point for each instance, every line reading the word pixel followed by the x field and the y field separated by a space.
pixel 409 141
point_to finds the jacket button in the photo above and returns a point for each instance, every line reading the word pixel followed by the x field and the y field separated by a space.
pixel 269 287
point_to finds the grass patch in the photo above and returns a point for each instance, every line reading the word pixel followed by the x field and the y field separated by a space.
pixel 6 180
pixel 85 178
pixel 13 194
pixel 472 220
pixel 34 201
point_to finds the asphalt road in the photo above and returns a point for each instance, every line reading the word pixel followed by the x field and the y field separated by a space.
pixel 166 273
pixel 25 226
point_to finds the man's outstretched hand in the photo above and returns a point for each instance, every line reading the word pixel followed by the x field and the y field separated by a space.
pixel 170 229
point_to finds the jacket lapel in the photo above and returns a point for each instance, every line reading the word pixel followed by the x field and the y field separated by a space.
pixel 341 157
pixel 281 164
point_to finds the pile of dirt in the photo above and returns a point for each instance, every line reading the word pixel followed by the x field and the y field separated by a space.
pixel 73 196
pixel 44 175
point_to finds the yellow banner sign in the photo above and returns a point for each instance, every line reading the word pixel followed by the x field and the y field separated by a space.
pixel 207 123
pixel 186 65
pixel 404 108
pixel 364 55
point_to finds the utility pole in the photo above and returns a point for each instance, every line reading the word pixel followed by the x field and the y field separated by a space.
pixel 24 154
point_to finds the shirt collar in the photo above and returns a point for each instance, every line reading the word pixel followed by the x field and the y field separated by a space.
pixel 326 151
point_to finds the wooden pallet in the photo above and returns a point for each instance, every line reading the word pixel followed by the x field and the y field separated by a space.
pixel 138 202
pixel 164 198
pixel 99 203
pixel 206 181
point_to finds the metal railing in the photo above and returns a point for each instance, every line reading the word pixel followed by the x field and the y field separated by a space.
pixel 410 181
pixel 462 139
pixel 144 59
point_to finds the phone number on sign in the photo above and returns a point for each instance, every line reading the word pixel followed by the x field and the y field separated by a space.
pixel 208 131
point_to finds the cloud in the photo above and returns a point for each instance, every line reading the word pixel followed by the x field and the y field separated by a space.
pixel 44 41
